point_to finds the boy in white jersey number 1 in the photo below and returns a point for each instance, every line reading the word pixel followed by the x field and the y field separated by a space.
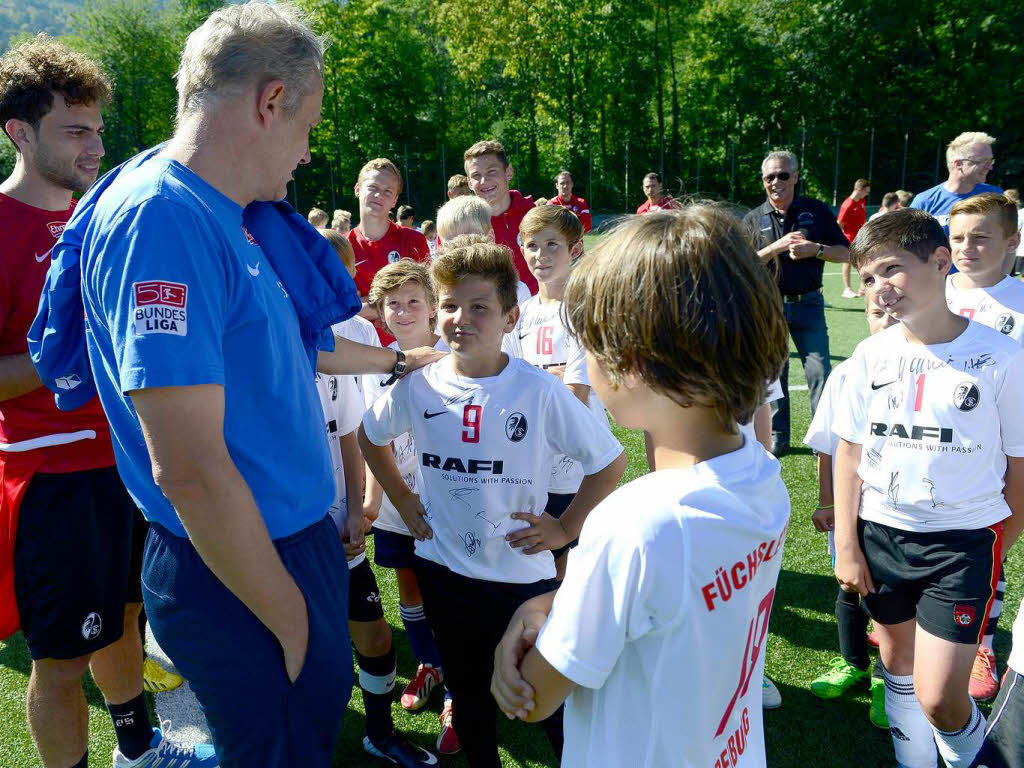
pixel 982 231
pixel 928 484
pixel 672 584
pixel 552 240
pixel 487 428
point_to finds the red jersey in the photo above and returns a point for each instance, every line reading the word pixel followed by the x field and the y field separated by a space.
pixel 666 203
pixel 29 236
pixel 852 215
pixel 373 255
pixel 506 232
pixel 578 206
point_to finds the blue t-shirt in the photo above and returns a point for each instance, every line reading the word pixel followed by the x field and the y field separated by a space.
pixel 177 293
pixel 939 201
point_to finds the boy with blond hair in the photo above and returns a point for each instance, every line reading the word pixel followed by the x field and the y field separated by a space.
pixel 672 584
pixel 982 233
pixel 318 217
pixel 470 215
pixel 490 173
pixel 341 221
pixel 486 428
pixel 929 484
pixel 458 185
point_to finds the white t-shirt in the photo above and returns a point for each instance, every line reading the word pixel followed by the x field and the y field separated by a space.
pixel 522 293
pixel 662 619
pixel 820 435
pixel 485 448
pixel 360 330
pixel 1016 660
pixel 343 409
pixel 774 393
pixel 935 424
pixel 1000 307
pixel 403 447
pixel 540 338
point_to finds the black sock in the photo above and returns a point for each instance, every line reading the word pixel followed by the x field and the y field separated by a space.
pixel 84 762
pixel 377 681
pixel 131 727
pixel 853 624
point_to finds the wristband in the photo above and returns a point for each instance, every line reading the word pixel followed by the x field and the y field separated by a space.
pixel 821 252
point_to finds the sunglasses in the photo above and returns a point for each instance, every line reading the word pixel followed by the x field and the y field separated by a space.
pixel 780 176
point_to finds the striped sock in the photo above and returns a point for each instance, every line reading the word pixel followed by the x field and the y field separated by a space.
pixel 958 748
pixel 420 637
pixel 912 737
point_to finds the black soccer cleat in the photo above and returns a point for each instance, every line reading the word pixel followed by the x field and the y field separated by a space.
pixel 397 751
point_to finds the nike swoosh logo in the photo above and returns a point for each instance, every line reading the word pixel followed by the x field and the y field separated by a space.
pixel 523 335
pixel 44 256
pixel 879 386
pixel 254 271
pixel 429 415
pixel 360 262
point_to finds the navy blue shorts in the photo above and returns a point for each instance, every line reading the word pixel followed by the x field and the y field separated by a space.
pixel 77 561
pixel 393 550
pixel 235 664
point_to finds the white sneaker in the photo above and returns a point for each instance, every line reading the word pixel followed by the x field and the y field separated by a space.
pixel 164 753
pixel 848 294
pixel 770 696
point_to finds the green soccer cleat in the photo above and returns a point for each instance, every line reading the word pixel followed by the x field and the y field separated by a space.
pixel 877 714
pixel 841 676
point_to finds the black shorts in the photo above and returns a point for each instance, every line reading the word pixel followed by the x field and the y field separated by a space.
pixel 363 594
pixel 393 550
pixel 946 580
pixel 76 562
pixel 1004 740
pixel 557 504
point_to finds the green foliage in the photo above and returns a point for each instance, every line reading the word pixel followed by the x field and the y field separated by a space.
pixel 611 89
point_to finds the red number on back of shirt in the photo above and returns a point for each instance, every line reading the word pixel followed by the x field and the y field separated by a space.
pixel 471 420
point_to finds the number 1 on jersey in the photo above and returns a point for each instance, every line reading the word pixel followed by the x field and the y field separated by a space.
pixel 919 392
pixel 471 420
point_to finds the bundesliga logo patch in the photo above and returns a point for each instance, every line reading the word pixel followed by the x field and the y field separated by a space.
pixel 964 615
pixel 160 308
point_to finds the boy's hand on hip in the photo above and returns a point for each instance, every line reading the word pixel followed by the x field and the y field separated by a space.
pixel 542 532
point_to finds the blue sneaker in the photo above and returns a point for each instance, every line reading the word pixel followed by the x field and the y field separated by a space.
pixel 165 753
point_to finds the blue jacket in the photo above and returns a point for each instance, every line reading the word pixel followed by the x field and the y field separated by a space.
pixel 310 270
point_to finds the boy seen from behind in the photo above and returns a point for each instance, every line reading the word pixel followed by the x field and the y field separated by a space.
pixel 672 584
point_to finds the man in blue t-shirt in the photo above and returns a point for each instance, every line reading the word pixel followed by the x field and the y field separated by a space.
pixel 969 159
pixel 215 419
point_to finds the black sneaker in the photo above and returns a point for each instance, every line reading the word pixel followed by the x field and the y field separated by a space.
pixel 398 751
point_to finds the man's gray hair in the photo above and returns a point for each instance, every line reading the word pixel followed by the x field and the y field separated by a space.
pixel 246 46
pixel 782 154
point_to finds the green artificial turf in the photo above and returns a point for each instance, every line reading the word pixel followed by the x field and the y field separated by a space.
pixel 805 731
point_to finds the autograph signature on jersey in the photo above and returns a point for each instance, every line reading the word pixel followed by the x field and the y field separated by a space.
pixel 462 494
pixel 894 488
pixel 470 542
pixel 931 490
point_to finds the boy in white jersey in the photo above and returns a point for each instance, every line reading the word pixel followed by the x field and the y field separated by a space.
pixel 552 241
pixel 671 586
pixel 851 666
pixel 982 230
pixel 469 215
pixel 486 428
pixel 404 298
pixel 927 483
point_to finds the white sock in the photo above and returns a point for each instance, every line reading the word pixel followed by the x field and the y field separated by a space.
pixel 959 748
pixel 912 738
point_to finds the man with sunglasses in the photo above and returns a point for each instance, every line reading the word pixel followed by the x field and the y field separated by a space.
pixel 799 234
pixel 969 160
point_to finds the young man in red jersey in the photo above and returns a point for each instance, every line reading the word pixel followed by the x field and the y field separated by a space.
pixel 851 217
pixel 489 175
pixel 566 199
pixel 377 241
pixel 656 201
pixel 70 535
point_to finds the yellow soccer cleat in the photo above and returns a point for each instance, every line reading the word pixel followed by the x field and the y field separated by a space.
pixel 156 679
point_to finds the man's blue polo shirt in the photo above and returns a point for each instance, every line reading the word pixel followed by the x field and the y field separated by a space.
pixel 939 201
pixel 177 293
